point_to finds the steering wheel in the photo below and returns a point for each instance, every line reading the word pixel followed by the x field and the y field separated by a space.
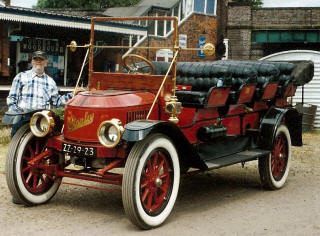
pixel 137 64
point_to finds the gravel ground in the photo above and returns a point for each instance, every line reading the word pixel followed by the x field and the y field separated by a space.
pixel 228 201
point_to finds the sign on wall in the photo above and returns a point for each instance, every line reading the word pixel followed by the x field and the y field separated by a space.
pixel 183 40
pixel 55 52
pixel 201 43
pixel 50 46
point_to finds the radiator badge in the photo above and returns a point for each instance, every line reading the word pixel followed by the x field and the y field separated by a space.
pixel 75 123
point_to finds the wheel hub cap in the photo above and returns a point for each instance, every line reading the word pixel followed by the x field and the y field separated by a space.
pixel 158 182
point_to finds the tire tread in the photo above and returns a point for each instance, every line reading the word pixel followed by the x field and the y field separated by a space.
pixel 10 159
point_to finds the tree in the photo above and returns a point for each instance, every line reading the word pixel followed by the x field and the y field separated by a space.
pixel 84 4
pixel 253 3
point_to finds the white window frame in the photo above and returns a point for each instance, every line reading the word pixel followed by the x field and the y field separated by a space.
pixel 179 12
pixel 156 26
pixel 165 25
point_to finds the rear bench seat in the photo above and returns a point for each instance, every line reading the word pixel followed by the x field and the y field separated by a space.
pixel 267 77
pixel 241 79
pixel 211 83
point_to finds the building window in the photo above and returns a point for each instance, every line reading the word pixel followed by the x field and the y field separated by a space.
pixel 203 6
pixel 151 27
pixel 176 11
pixel 199 5
pixel 160 29
pixel 210 6
pixel 188 6
pixel 168 28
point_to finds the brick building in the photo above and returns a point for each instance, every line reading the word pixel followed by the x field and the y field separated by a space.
pixel 256 33
pixel 278 34
pixel 199 22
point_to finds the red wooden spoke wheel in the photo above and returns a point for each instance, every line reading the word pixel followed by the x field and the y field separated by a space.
pixel 151 181
pixel 279 157
pixel 274 168
pixel 155 183
pixel 30 184
pixel 34 177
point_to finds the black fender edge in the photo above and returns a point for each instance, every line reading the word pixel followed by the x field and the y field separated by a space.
pixel 140 129
pixel 276 116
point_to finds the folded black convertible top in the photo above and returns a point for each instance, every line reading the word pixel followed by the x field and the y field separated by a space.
pixel 302 73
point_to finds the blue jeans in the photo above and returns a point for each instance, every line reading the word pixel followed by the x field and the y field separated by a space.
pixel 18 125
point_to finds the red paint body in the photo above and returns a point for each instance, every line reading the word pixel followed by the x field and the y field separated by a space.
pixel 104 105
pixel 129 97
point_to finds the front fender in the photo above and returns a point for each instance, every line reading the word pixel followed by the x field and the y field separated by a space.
pixel 138 130
pixel 273 118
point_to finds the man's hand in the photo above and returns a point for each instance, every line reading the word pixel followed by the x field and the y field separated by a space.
pixel 78 90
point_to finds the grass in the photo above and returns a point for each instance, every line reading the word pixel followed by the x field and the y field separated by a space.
pixel 5 135
pixel 314 131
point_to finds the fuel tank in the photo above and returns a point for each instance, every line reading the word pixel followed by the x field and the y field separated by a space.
pixel 85 112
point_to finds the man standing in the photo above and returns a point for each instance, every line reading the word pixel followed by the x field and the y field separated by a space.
pixel 35 90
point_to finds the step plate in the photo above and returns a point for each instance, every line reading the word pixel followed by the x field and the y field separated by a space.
pixel 236 158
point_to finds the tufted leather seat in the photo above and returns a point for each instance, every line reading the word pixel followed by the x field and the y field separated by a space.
pixel 203 77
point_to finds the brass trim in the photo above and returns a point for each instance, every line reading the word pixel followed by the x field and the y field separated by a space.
pixel 105 125
pixel 34 126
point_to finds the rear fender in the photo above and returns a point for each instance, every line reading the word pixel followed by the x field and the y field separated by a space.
pixel 138 130
pixel 276 116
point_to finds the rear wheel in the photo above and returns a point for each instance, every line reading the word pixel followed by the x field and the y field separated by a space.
pixel 151 181
pixel 274 168
pixel 29 185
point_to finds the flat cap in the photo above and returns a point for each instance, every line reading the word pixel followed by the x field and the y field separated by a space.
pixel 39 54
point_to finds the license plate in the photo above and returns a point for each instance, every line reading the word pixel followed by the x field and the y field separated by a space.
pixel 79 150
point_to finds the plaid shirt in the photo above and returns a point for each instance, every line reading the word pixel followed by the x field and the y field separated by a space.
pixel 30 91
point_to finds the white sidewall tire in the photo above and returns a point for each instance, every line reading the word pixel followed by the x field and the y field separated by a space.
pixel 159 219
pixel 34 199
pixel 279 184
pixel 132 175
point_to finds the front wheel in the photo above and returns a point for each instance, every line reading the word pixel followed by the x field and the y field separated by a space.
pixel 29 185
pixel 151 181
pixel 274 168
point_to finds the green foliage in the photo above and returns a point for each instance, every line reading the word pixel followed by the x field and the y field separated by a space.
pixel 253 3
pixel 84 4
pixel 59 111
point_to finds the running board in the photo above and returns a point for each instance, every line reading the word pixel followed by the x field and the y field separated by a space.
pixel 236 158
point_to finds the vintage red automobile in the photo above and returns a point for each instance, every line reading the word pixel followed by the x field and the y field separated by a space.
pixel 144 128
